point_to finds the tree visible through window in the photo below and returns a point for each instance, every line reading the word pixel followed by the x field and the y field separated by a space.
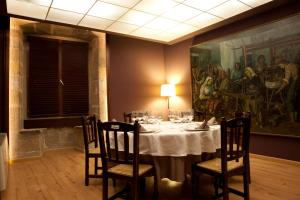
pixel 57 78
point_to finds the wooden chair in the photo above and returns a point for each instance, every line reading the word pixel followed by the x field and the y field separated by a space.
pixel 127 165
pixel 127 117
pixel 233 132
pixel 90 137
pixel 243 114
pixel 199 116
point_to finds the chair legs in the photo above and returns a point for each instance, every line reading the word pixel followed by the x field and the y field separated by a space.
pixel 87 171
pixel 134 190
pixel 222 182
pixel 249 177
pixel 155 187
pixel 105 188
pixel 131 191
pixel 142 188
pixel 246 184
pixel 216 186
pixel 96 166
pixel 225 190
pixel 195 182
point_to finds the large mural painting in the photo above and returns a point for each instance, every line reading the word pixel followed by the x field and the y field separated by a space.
pixel 255 71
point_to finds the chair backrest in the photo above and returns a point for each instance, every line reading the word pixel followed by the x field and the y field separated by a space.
pixel 127 117
pixel 235 137
pixel 199 116
pixel 89 129
pixel 238 114
pixel 114 131
pixel 242 114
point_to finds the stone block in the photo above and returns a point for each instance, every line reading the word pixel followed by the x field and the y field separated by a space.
pixel 82 34
pixel 43 28
pixel 57 138
pixel 28 28
pixel 14 118
pixel 14 97
pixel 30 143
pixel 63 31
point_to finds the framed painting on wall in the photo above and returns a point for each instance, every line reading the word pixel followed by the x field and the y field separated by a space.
pixel 256 71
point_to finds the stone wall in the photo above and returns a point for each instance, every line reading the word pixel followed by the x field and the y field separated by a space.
pixel 15 87
pixel 102 77
pixel 93 76
pixel 32 142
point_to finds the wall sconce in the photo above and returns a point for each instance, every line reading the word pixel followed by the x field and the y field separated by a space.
pixel 168 90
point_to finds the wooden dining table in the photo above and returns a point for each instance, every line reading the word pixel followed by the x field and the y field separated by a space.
pixel 174 146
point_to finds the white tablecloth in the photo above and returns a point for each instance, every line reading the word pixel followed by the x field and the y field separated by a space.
pixel 172 148
pixel 172 139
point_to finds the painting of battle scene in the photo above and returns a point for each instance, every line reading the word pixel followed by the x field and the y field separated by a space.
pixel 255 71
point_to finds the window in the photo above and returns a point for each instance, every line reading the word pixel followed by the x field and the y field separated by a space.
pixel 57 78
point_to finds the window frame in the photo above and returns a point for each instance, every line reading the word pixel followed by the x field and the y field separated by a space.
pixel 62 118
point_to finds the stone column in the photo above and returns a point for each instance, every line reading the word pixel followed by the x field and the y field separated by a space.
pixel 102 70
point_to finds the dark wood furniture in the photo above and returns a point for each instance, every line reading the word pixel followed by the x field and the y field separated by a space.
pixel 199 116
pixel 245 114
pixel 127 117
pixel 127 165
pixel 234 132
pixel 90 137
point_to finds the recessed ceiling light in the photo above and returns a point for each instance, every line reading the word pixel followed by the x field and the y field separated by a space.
pixel 121 27
pixel 145 32
pixel 255 3
pixel 181 13
pixel 161 23
pixel 204 4
pixel 204 20
pixel 63 16
pixel 95 22
pixel 26 9
pixel 106 10
pixel 155 6
pixel 165 36
pixel 136 17
pixel 126 3
pixel 229 9
pixel 182 29
pixel 79 6
pixel 163 20
pixel 39 2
